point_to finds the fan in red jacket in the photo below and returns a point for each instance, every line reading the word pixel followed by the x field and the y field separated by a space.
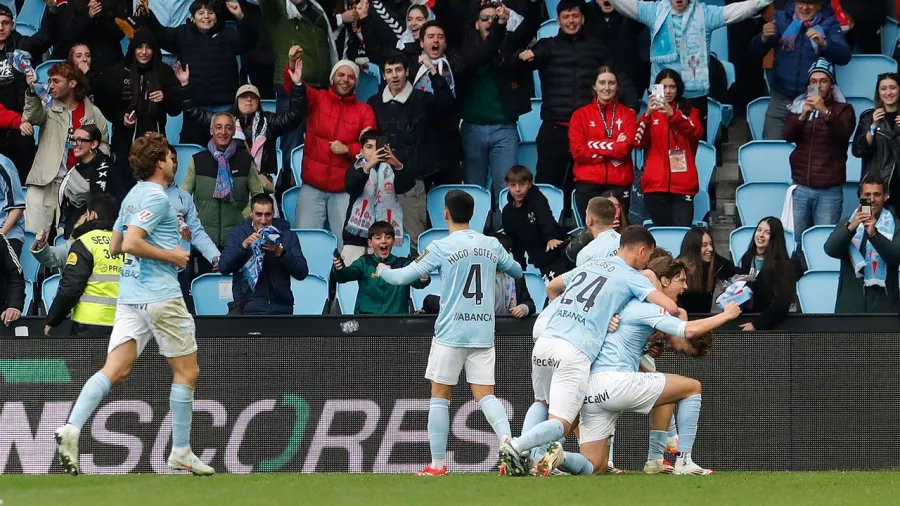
pixel 601 137
pixel 334 122
pixel 670 132
pixel 9 120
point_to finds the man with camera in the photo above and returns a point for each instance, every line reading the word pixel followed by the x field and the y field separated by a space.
pixel 868 245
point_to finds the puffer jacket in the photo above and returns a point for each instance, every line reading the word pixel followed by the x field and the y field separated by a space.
pixel 601 159
pixel 820 160
pixel 880 159
pixel 657 134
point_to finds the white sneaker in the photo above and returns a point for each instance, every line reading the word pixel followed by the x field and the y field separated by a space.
pixel 684 465
pixel 511 458
pixel 186 461
pixel 552 459
pixel 611 468
pixel 658 466
pixel 67 445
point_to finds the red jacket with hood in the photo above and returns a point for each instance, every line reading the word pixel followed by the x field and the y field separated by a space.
pixel 599 158
pixel 658 134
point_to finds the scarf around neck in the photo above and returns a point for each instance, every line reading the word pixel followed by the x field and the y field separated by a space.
pixel 423 76
pixel 789 37
pixel 224 181
pixel 691 56
pixel 871 267
pixel 256 141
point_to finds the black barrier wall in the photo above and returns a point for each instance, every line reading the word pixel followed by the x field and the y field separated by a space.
pixel 771 401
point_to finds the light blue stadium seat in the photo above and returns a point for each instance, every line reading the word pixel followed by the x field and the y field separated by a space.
pixel 851 200
pixel 318 247
pixel 279 158
pixel 537 289
pixel 369 82
pixel 765 161
pixel 756 201
pixel 860 105
pixel 434 203
pixel 48 290
pixel 268 105
pixel 346 296
pixel 434 288
pixel 706 164
pixel 554 197
pixel 889 32
pixel 817 291
pixel 185 152
pixel 669 238
pixel 212 293
pixel 730 78
pixel 530 122
pixel 857 78
pixel 297 164
pixel 42 71
pixel 32 12
pixel 310 295
pixel 549 28
pixel 59 241
pixel 25 29
pixel 853 166
pixel 756 117
pixel 537 84
pixel 719 43
pixel 30 264
pixel 29 297
pixel 404 250
pixel 739 242
pixel 173 128
pixel 701 207
pixel 529 267
pixel 429 236
pixel 527 155
pixel 289 204
pixel 713 120
pixel 813 241
pixel 579 220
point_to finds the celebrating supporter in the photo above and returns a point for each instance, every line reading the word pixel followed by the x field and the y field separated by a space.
pixel 12 208
pixel 12 284
pixel 92 23
pixel 69 110
pixel 775 283
pixel 868 245
pixel 706 269
pixel 136 96
pixel 868 18
pixel 91 175
pixel 800 34
pixel 380 34
pixel 601 136
pixel 375 296
pixel 80 56
pixel 670 132
pixel 349 41
pixel 263 254
pixel 877 137
pixel 820 125
pixel 530 225
pixel 629 39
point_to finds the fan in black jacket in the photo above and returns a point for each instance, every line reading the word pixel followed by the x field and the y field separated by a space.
pixel 99 31
pixel 12 284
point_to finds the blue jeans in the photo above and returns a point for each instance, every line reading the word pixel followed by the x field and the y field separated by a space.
pixel 289 140
pixel 815 207
pixel 315 208
pixel 489 152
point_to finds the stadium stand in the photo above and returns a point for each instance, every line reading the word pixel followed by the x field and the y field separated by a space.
pixel 537 289
pixel 765 161
pixel 435 204
pixel 813 242
pixel 554 197
pixel 817 291
pixel 318 247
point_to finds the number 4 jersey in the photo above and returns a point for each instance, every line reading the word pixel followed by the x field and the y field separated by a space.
pixel 468 264
pixel 594 293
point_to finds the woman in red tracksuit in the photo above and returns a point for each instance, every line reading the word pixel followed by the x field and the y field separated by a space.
pixel 601 137
pixel 670 132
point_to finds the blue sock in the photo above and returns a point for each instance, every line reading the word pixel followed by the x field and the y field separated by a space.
pixel 438 430
pixel 536 414
pixel 542 433
pixel 688 416
pixel 496 415
pixel 657 444
pixel 578 464
pixel 181 402
pixel 93 391
pixel 673 429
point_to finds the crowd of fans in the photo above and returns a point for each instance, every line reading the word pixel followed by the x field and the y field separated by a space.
pixel 456 77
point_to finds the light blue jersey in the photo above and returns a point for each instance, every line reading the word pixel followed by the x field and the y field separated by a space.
pixel 12 197
pixel 594 293
pixel 143 280
pixel 183 203
pixel 468 264
pixel 605 245
pixel 637 322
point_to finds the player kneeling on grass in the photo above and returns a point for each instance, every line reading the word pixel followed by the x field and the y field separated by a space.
pixel 615 385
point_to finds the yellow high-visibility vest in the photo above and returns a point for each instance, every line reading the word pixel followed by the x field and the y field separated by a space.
pixel 97 305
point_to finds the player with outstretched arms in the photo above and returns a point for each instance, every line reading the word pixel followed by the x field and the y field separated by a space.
pixel 590 296
pixel 150 306
pixel 464 331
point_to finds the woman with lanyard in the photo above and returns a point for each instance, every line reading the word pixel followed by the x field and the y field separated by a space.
pixel 601 137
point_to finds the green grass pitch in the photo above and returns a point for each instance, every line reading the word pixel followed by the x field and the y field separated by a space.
pixel 727 488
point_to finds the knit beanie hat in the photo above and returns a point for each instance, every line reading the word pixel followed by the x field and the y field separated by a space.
pixel 344 63
pixel 824 66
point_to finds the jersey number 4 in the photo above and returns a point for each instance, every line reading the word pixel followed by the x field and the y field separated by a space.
pixel 588 294
pixel 473 290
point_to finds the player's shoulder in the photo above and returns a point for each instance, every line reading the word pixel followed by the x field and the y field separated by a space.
pixel 636 307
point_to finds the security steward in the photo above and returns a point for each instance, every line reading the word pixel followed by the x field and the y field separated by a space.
pixel 90 279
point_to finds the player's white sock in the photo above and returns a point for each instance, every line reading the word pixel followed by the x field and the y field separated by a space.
pixel 93 391
pixel 542 433
pixel 657 445
pixel 576 463
pixel 688 416
pixel 536 414
pixel 438 430
pixel 181 402
pixel 496 415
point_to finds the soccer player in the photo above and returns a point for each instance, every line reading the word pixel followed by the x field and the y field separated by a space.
pixel 150 306
pixel 616 386
pixel 599 218
pixel 561 359
pixel 464 330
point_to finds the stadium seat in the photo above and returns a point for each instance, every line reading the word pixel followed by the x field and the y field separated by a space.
pixel 42 71
pixel 369 82
pixel 125 42
pixel 713 120
pixel 853 166
pixel 310 295
pixel 889 33
pixel 318 247
pixel 404 250
pixel 756 117
pixel 813 242
pixel 30 264
pixel 740 238
pixel 289 204
pixel 297 164
pixel 25 29
pixel 817 292
pixel 730 78
pixel 279 159
pixel 29 297
pixel 857 78
pixel 429 236
pixel 669 238
pixel 527 155
pixel 719 43
pixel 755 201
pixel 434 203
pixel 706 164
pixel 529 267
pixel 851 199
pixel 549 28
pixel 765 161
pixel 185 152
pixel 346 296
pixel 579 220
pixel 537 289
pixel 212 293
pixel 59 241
pixel 530 122
pixel 48 290
pixel 701 208
pixel 418 294
pixel 173 128
pixel 31 14
pixel 268 105
pixel 537 84
pixel 554 198
pixel 860 105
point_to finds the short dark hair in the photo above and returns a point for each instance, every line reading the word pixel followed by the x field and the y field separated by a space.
pixel 602 209
pixel 519 174
pixel 461 206
pixel 872 179
pixel 146 151
pixel 104 205
pixel 504 240
pixel 393 57
pixel 196 5
pixel 565 5
pixel 263 199
pixel 636 235
pixel 430 24
pixel 381 227
pixel 368 135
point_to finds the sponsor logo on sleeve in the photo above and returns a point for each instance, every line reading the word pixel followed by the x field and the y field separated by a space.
pixel 72 259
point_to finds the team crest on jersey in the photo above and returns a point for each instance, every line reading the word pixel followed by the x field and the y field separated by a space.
pixel 531 217
pixel 145 215
pixel 421 255
pixel 72 259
